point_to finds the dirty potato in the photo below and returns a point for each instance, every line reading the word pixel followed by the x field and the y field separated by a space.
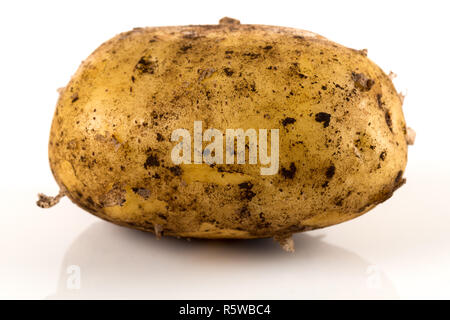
pixel 341 132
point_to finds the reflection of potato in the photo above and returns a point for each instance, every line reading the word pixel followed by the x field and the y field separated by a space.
pixel 150 269
pixel 342 133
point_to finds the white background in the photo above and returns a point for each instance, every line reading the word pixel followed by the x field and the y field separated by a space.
pixel 398 250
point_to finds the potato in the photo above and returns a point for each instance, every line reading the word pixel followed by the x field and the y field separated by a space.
pixel 342 138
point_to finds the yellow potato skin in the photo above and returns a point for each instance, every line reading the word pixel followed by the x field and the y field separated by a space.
pixel 110 145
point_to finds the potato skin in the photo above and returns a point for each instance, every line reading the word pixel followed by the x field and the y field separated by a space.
pixel 342 132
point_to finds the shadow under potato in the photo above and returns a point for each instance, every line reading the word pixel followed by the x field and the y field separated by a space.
pixel 107 261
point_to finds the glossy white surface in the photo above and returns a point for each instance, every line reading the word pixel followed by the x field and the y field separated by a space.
pixel 398 250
